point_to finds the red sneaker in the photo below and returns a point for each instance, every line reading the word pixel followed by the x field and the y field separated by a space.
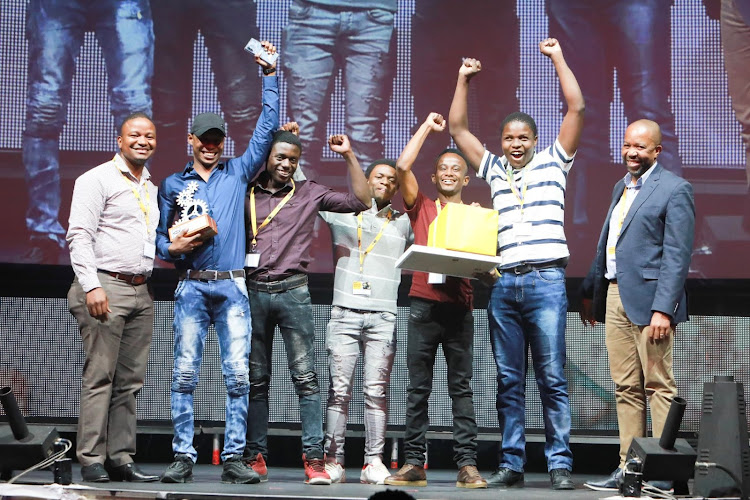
pixel 258 464
pixel 315 471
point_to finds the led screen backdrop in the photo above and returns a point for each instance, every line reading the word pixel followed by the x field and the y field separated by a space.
pixel 179 58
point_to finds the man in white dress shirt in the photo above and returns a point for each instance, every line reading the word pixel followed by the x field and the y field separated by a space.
pixel 112 230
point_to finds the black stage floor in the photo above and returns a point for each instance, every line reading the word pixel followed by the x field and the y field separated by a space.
pixel 287 483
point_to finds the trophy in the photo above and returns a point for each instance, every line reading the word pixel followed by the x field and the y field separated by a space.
pixel 194 218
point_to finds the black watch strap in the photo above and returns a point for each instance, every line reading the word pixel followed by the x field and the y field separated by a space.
pixel 269 70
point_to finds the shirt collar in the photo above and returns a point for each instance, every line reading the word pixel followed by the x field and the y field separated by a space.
pixel 384 211
pixel 641 180
pixel 264 176
pixel 189 168
pixel 122 167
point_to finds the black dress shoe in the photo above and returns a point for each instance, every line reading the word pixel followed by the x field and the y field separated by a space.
pixel 505 478
pixel 94 473
pixel 612 483
pixel 131 473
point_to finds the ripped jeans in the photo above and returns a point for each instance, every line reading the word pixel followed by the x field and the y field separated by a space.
pixel 374 333
pixel 197 305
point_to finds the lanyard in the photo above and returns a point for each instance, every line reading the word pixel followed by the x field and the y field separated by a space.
pixel 434 229
pixel 253 221
pixel 623 211
pixel 362 254
pixel 146 209
pixel 520 195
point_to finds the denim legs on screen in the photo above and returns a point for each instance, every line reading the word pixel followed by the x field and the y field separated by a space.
pixel 56 29
pixel 530 310
pixel 197 305
pixel 291 311
pixel 432 324
pixel 374 334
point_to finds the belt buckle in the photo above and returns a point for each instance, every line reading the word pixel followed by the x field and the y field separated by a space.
pixel 518 270
pixel 138 279
pixel 215 272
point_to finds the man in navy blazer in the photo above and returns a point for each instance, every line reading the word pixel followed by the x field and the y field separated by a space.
pixel 636 284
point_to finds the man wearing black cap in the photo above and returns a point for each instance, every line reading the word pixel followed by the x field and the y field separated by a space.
pixel 212 286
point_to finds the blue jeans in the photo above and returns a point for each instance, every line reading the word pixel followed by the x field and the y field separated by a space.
pixel 349 332
pixel 431 324
pixel 317 43
pixel 197 305
pixel 529 311
pixel 596 41
pixel 291 311
pixel 55 30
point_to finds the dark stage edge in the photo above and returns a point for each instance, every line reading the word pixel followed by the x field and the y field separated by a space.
pixel 287 484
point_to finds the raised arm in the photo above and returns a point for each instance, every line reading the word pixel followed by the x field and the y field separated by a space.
pixel 458 118
pixel 407 181
pixel 340 144
pixel 572 125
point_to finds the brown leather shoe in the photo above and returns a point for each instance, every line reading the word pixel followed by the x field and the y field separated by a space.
pixel 468 477
pixel 408 475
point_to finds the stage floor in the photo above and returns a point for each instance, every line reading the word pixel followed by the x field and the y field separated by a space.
pixel 287 483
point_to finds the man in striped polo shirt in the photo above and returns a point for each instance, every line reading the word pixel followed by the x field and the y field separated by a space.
pixel 528 303
pixel 366 247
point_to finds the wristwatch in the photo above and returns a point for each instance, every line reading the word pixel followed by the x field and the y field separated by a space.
pixel 269 70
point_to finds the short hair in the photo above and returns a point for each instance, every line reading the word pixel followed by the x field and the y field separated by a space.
pixel 391 494
pixel 287 137
pixel 381 161
pixel 133 116
pixel 519 116
pixel 454 151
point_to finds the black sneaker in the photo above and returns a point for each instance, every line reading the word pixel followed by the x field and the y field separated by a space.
pixel 560 479
pixel 236 472
pixel 181 470
pixel 505 478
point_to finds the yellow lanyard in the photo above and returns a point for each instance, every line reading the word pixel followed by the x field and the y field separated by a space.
pixel 146 209
pixel 623 211
pixel 362 254
pixel 270 217
pixel 435 228
pixel 520 195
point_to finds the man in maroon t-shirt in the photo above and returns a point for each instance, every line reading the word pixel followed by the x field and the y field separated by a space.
pixel 441 313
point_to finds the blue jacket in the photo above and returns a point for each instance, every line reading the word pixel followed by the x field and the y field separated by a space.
pixel 653 251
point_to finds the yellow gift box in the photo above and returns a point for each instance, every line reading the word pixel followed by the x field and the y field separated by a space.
pixel 464 228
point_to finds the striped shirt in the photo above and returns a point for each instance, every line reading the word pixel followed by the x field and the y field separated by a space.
pixel 379 264
pixel 618 217
pixel 530 217
pixel 107 226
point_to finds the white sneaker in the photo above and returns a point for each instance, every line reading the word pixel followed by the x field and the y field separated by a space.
pixel 374 473
pixel 336 471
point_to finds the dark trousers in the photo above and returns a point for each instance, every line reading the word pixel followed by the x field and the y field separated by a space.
pixel 431 324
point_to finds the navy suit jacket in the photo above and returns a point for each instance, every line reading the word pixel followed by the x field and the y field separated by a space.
pixel 653 251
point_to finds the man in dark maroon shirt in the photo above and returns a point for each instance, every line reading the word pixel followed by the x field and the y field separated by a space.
pixel 280 217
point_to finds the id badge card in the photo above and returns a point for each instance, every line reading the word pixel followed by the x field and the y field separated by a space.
pixel 252 259
pixel 522 228
pixel 149 250
pixel 362 288
pixel 435 279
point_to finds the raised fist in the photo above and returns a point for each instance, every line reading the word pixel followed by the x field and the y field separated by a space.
pixel 292 127
pixel 339 143
pixel 436 122
pixel 549 47
pixel 470 67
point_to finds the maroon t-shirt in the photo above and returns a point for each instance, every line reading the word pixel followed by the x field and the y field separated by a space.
pixel 454 290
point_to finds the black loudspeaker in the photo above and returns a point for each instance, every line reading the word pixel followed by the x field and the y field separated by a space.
pixel 723 440
pixel 20 448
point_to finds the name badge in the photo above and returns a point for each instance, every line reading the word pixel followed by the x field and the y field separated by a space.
pixel 362 288
pixel 522 228
pixel 436 279
pixel 149 250
pixel 252 259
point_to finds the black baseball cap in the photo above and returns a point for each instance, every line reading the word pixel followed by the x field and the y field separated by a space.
pixel 204 122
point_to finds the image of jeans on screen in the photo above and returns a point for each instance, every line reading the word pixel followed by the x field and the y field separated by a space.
pixel 55 30
pixel 597 43
pixel 226 26
pixel 323 37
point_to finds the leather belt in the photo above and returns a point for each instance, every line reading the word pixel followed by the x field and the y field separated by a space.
pixel 210 275
pixel 290 283
pixel 613 281
pixel 527 268
pixel 131 279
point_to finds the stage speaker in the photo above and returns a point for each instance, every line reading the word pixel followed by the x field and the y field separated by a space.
pixel 723 440
pixel 19 447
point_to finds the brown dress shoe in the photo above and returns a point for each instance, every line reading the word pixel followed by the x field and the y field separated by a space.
pixel 408 475
pixel 468 477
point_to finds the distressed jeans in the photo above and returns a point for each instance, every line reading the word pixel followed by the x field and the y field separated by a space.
pixel 374 334
pixel 197 305
pixel 291 311
pixel 55 30
pixel 317 43
pixel 528 311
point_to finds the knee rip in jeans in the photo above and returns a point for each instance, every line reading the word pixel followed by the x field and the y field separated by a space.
pixel 184 380
pixel 338 399
pixel 237 383
pixel 260 386
pixel 306 383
